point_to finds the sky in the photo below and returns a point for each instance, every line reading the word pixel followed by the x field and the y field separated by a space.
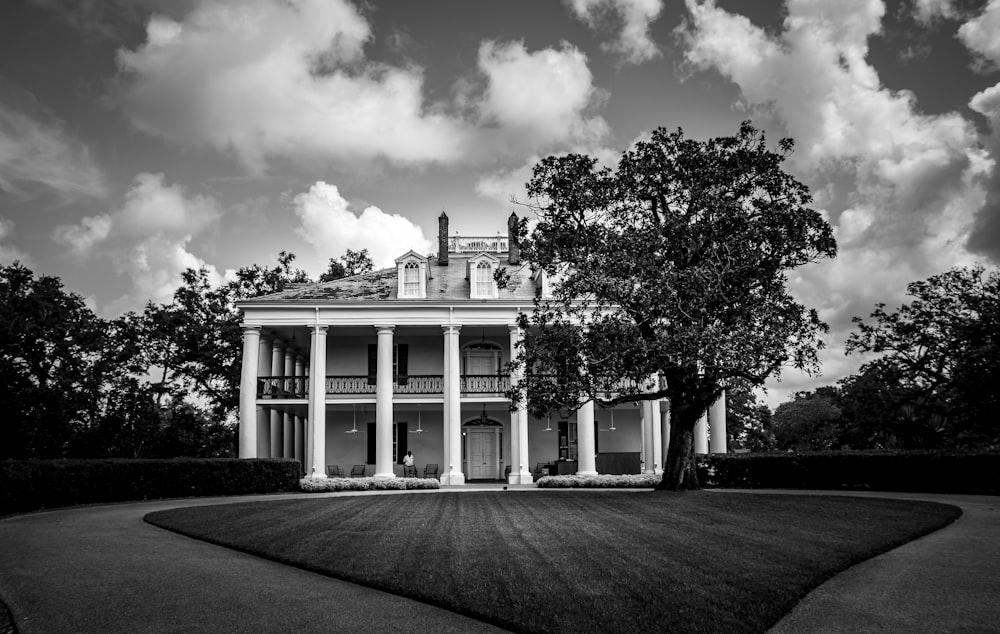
pixel 139 138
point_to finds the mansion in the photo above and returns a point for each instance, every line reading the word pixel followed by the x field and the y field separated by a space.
pixel 347 376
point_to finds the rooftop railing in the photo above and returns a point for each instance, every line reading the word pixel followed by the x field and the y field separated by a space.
pixel 475 244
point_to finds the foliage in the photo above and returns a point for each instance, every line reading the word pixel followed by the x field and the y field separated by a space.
pixel 351 263
pixel 748 421
pixel 600 481
pixel 671 265
pixel 939 471
pixel 53 362
pixel 328 485
pixel 942 351
pixel 809 422
pixel 26 485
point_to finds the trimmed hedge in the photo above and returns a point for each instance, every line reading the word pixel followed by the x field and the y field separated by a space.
pixel 329 485
pixel 27 485
pixel 601 481
pixel 916 471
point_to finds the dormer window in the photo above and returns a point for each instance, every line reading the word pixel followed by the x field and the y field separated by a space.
pixel 480 274
pixel 411 274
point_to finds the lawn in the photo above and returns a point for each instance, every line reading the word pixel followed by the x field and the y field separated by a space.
pixel 576 561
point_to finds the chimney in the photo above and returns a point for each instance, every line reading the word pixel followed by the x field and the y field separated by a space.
pixel 443 239
pixel 513 250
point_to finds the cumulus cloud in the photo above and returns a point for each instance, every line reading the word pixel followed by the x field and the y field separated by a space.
pixel 900 188
pixel 8 252
pixel 267 79
pixel 37 154
pixel 985 236
pixel 928 10
pixel 329 225
pixel 147 238
pixel 632 17
pixel 981 35
pixel 540 99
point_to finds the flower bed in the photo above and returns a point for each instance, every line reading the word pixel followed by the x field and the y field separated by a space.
pixel 328 485
pixel 632 481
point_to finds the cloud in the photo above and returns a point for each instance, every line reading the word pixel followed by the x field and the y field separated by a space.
pixel 331 228
pixel 8 252
pixel 266 79
pixel 540 99
pixel 929 10
pixel 634 16
pixel 985 237
pixel 147 239
pixel 981 35
pixel 38 155
pixel 900 188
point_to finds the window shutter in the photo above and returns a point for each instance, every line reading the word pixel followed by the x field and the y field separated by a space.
pixel 401 437
pixel 371 443
pixel 372 363
pixel 402 357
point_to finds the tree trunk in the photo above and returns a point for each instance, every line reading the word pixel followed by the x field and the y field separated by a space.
pixel 680 472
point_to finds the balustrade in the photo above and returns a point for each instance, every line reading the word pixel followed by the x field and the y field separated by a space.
pixel 275 387
pixel 475 244
pixel 485 384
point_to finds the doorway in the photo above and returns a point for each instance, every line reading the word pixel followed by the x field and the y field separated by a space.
pixel 482 452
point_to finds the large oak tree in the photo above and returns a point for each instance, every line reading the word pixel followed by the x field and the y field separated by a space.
pixel 672 265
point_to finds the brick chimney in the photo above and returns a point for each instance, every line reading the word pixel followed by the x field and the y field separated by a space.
pixel 443 239
pixel 513 250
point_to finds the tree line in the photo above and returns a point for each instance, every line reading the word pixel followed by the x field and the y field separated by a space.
pixel 159 383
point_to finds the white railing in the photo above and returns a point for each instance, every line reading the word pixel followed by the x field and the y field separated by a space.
pixel 475 244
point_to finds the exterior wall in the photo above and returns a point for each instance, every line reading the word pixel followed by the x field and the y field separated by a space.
pixel 346 450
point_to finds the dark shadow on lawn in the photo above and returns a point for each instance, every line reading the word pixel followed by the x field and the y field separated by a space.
pixel 576 561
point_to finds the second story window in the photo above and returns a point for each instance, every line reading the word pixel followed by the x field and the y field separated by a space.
pixel 484 280
pixel 411 280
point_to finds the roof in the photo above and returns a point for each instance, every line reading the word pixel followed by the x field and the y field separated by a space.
pixel 446 283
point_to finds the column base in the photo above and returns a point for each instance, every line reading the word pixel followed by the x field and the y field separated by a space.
pixel 453 479
pixel 520 478
pixel 385 476
pixel 587 473
pixel 317 475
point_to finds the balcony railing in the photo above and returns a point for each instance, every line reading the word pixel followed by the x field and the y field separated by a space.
pixel 475 244
pixel 485 384
pixel 282 386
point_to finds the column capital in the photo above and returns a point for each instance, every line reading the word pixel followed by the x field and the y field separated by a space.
pixel 514 329
pixel 251 328
pixel 385 328
pixel 318 327
pixel 448 328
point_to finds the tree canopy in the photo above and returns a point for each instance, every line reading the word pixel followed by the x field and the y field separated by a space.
pixel 672 264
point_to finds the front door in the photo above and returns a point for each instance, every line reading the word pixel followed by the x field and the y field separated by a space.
pixel 482 454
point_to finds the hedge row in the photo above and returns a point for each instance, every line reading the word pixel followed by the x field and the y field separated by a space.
pixel 329 485
pixel 923 471
pixel 27 485
pixel 603 481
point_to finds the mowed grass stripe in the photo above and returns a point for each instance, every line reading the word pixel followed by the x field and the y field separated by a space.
pixel 567 561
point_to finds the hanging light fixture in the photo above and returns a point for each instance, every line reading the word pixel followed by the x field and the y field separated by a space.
pixel 483 418
pixel 354 421
pixel 612 428
pixel 419 429
pixel 548 422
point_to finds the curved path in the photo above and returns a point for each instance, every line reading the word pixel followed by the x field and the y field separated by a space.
pixel 103 569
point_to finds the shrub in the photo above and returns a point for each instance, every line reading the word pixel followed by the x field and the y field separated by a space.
pixel 923 471
pixel 330 485
pixel 27 485
pixel 633 481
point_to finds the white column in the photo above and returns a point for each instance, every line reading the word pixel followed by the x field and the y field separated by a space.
pixel 277 370
pixel 658 455
pixel 288 422
pixel 520 467
pixel 446 406
pixel 300 436
pixel 717 425
pixel 701 434
pixel 264 413
pixel 648 450
pixel 383 405
pixel 587 464
pixel 248 393
pixel 453 469
pixel 317 405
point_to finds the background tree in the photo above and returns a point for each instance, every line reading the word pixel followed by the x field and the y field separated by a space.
pixel 671 265
pixel 351 263
pixel 943 348
pixel 51 364
pixel 809 422
pixel 748 420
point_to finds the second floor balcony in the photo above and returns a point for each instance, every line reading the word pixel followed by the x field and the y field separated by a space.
pixel 297 388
